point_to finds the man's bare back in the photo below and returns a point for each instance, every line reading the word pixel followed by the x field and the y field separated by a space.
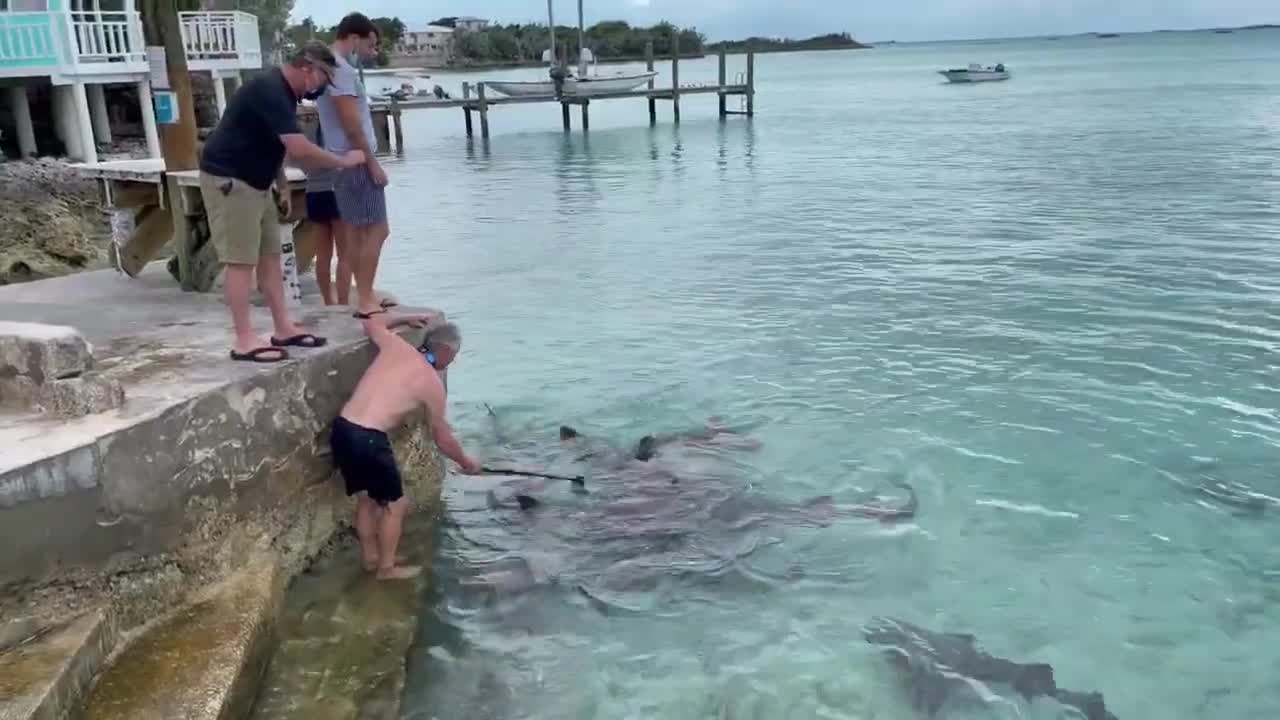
pixel 398 382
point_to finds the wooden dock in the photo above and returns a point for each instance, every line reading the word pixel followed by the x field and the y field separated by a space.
pixel 475 99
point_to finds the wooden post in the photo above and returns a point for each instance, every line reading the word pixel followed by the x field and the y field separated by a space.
pixel 177 141
pixel 466 109
pixel 586 121
pixel 751 83
pixel 395 123
pixel 722 78
pixel 382 129
pixel 653 104
pixel 484 112
pixel 675 78
pixel 564 115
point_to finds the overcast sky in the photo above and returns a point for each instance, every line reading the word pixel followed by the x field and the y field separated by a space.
pixel 870 20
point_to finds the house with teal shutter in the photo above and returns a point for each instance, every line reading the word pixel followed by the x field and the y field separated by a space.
pixel 79 47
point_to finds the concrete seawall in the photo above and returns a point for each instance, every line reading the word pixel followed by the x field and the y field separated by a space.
pixel 144 474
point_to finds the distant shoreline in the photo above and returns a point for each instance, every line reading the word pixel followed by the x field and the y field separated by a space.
pixel 1246 28
pixel 482 66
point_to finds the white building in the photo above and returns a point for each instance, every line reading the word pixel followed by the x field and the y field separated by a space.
pixel 78 47
pixel 431 45
pixel 470 24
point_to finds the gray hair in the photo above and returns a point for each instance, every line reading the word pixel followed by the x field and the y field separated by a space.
pixel 313 53
pixel 443 335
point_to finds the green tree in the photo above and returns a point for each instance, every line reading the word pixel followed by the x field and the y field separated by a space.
pixel 390 30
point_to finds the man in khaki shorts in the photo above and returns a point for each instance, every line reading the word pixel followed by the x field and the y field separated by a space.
pixel 242 158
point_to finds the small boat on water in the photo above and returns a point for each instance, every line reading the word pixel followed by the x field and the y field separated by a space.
pixel 573 85
pixel 976 73
pixel 563 81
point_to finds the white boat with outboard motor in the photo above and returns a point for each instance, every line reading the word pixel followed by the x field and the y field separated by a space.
pixel 976 73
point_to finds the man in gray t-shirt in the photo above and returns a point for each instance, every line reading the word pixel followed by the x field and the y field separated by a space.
pixel 346 122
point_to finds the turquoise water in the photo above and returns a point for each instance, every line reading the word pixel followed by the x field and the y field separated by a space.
pixel 1051 304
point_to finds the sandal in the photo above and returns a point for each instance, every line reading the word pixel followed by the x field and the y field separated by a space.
pixel 304 340
pixel 388 303
pixel 365 316
pixel 256 355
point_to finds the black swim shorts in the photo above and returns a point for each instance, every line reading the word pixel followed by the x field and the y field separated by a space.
pixel 367 462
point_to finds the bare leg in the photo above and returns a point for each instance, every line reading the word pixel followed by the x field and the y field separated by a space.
pixel 346 247
pixel 369 250
pixel 271 284
pixel 235 290
pixel 367 530
pixel 389 527
pixel 323 233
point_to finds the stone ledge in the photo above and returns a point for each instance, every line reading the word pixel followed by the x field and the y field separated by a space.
pixel 45 676
pixel 200 435
pixel 202 662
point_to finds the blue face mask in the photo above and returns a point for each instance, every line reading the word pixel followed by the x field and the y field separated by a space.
pixel 313 95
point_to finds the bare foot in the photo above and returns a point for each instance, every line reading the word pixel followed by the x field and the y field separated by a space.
pixel 399 572
pixel 371 563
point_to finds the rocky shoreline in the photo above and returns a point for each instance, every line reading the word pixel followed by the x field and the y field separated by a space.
pixel 53 221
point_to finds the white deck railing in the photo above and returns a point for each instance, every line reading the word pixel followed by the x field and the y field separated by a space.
pixel 212 36
pixel 107 37
pixel 64 42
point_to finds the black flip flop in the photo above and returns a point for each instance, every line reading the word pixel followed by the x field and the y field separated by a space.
pixel 365 316
pixel 388 303
pixel 255 355
pixel 303 340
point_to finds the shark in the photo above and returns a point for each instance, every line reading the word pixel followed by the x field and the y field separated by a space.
pixel 937 666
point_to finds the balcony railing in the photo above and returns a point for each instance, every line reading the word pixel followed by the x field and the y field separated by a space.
pixel 99 37
pixel 221 39
pixel 63 42
pixel 27 40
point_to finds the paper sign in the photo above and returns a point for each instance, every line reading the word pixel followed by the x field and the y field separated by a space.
pixel 158 67
pixel 289 266
pixel 166 103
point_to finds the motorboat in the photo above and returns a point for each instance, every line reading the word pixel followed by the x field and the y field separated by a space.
pixel 976 73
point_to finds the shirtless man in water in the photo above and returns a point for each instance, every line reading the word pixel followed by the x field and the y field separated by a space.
pixel 400 380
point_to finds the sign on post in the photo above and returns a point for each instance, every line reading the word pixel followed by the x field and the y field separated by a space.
pixel 166 102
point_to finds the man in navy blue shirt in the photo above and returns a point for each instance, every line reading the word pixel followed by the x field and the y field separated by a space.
pixel 240 161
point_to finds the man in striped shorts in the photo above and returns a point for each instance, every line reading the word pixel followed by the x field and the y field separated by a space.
pixel 347 124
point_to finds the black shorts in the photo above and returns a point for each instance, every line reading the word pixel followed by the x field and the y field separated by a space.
pixel 367 462
pixel 322 207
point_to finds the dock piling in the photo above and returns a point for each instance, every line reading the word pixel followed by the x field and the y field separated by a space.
pixel 466 109
pixel 653 104
pixel 675 78
pixel 564 115
pixel 586 121
pixel 751 83
pixel 484 112
pixel 395 125
pixel 723 60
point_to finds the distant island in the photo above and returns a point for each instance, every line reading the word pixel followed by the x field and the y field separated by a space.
pixel 831 41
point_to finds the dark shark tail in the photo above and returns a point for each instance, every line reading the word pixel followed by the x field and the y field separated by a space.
pixel 1090 704
pixel 1035 680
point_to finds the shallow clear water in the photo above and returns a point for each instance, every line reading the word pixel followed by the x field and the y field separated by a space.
pixel 1051 304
